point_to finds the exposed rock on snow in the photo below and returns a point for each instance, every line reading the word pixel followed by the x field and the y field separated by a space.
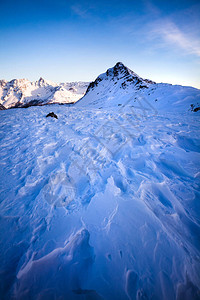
pixel 51 114
pixel 195 109
pixel 2 107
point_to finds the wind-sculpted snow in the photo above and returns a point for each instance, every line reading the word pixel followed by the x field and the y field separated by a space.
pixel 99 204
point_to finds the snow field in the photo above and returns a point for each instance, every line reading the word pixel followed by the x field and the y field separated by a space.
pixel 99 204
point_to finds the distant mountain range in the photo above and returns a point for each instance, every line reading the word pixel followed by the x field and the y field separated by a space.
pixel 24 93
pixel 118 86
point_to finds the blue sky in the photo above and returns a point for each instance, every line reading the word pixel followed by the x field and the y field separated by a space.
pixel 77 40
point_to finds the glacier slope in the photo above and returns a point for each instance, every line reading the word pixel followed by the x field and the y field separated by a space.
pixel 99 204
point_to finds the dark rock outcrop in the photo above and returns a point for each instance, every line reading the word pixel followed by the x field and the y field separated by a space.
pixel 51 114
pixel 2 107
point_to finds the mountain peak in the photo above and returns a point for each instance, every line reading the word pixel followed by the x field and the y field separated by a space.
pixel 119 64
pixel 118 68
pixel 118 74
pixel 42 82
pixel 119 71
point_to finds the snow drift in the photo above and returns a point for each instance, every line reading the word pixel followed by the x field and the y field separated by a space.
pixel 103 202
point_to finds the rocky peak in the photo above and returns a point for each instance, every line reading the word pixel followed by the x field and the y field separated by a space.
pixel 41 82
pixel 3 82
pixel 119 74
pixel 18 83
pixel 119 71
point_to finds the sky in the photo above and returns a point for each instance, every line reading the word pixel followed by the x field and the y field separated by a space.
pixel 78 40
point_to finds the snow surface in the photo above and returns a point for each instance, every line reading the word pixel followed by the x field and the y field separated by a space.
pixel 22 92
pixel 99 203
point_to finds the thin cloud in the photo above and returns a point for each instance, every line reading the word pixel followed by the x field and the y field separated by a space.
pixel 80 10
pixel 171 34
pixel 84 9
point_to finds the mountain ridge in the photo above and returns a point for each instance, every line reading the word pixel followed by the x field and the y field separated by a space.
pixel 23 93
pixel 112 88
pixel 115 72
pixel 119 85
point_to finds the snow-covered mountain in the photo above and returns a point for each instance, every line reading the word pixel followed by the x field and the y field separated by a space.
pixel 23 93
pixel 120 86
